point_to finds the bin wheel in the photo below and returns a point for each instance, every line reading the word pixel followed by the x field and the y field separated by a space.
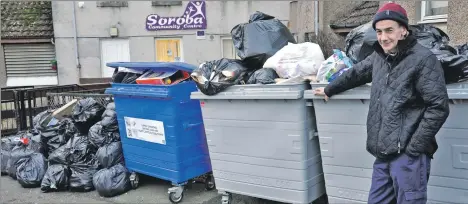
pixel 210 183
pixel 134 180
pixel 173 197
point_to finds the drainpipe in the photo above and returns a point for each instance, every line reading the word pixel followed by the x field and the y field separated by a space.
pixel 78 65
pixel 316 18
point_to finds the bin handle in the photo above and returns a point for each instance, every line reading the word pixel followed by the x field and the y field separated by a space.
pixel 152 95
pixel 188 126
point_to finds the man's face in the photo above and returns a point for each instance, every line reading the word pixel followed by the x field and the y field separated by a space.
pixel 388 34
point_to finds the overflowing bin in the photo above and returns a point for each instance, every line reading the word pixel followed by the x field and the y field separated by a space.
pixel 347 166
pixel 162 129
pixel 263 143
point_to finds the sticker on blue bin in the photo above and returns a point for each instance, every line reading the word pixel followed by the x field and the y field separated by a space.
pixel 146 130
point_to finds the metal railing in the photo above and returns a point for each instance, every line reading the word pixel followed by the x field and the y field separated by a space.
pixel 19 105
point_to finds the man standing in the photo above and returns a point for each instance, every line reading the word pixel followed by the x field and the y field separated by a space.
pixel 409 105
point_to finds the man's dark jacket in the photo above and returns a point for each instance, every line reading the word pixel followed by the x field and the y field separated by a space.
pixel 409 101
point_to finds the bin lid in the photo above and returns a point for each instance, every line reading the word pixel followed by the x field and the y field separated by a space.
pixel 155 66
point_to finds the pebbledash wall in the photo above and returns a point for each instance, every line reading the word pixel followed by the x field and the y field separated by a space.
pixel 188 31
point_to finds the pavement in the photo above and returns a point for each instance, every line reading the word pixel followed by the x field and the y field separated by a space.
pixel 150 190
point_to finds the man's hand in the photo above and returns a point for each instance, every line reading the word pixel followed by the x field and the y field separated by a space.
pixel 321 92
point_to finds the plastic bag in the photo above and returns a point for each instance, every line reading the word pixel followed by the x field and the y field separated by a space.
pixel 77 149
pixel 86 113
pixel 31 170
pixel 109 121
pixel 55 136
pixel 296 60
pixel 455 66
pixel 259 39
pixel 81 178
pixel 263 76
pixel 462 49
pixel 334 64
pixel 99 137
pixel 56 178
pixel 39 119
pixel 110 106
pixel 112 181
pixel 20 151
pixel 5 157
pixel 429 36
pixel 7 144
pixel 110 155
pixel 213 77
pixel 360 42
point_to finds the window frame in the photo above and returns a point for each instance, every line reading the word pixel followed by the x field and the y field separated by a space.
pixel 233 48
pixel 166 3
pixel 424 18
pixel 110 4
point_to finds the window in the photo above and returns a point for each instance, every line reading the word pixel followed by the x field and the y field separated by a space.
pixel 435 11
pixel 112 4
pixel 166 3
pixel 227 49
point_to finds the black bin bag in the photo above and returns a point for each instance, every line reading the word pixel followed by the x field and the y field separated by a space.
pixel 55 136
pixel 462 49
pixel 98 135
pixel 263 76
pixel 86 113
pixel 109 121
pixel 56 178
pixel 31 170
pixel 213 77
pixel 7 144
pixel 20 151
pixel 77 149
pixel 112 181
pixel 110 155
pixel 259 39
pixel 360 41
pixel 81 178
pixel 39 120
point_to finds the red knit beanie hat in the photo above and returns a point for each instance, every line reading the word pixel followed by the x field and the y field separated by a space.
pixel 391 11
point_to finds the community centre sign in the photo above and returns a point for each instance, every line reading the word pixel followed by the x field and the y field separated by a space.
pixel 194 17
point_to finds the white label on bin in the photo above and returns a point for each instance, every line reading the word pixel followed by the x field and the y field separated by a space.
pixel 147 130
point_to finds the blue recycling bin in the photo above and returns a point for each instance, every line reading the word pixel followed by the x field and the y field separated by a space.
pixel 162 129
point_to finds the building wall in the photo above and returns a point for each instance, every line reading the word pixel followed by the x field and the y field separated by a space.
pixel 301 18
pixel 221 17
pixel 458 24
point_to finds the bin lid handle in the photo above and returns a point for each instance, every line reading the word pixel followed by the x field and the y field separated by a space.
pixel 156 66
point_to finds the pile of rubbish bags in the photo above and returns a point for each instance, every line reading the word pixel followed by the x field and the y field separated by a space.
pixel 268 54
pixel 78 152
pixel 454 61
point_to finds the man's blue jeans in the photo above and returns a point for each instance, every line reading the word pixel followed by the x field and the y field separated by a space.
pixel 401 180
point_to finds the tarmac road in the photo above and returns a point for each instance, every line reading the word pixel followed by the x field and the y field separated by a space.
pixel 151 190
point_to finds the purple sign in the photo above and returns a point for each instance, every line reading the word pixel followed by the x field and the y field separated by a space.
pixel 194 17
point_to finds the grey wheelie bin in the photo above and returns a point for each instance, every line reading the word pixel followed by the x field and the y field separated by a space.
pixel 347 166
pixel 262 143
